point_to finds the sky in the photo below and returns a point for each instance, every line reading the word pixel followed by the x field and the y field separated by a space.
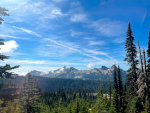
pixel 45 35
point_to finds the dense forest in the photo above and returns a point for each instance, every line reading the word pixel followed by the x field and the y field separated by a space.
pixel 133 96
pixel 54 84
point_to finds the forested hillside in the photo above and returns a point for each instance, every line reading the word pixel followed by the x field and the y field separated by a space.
pixel 54 84
pixel 34 94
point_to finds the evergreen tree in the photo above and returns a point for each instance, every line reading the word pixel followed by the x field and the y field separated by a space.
pixel 3 12
pixel 115 84
pixel 70 110
pixel 110 91
pixel 131 55
pixel 120 88
pixel 148 66
pixel 114 103
pixel 101 105
pixel 148 71
pixel 31 96
pixel 148 54
pixel 114 108
pixel 147 105
pixel 134 105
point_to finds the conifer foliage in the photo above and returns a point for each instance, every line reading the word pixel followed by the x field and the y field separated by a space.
pixel 131 58
pixel 120 89
pixel 148 54
pixel 114 108
pixel 30 96
pixel 101 105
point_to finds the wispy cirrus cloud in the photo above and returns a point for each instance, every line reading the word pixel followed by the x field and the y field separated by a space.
pixel 79 18
pixel 22 10
pixel 56 13
pixel 95 52
pixel 27 31
pixel 109 28
pixel 93 43
pixel 65 45
pixel 59 1
pixel 11 37
pixel 41 62
pixel 119 40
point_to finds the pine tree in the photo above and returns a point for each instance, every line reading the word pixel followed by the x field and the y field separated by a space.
pixel 3 12
pixel 114 103
pixel 115 84
pixel 148 68
pixel 70 110
pixel 110 91
pixel 148 65
pixel 120 88
pixel 147 105
pixel 114 108
pixel 31 96
pixel 148 71
pixel 131 56
pixel 101 105
pixel 148 54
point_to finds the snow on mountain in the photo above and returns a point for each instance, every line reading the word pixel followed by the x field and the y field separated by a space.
pixel 102 73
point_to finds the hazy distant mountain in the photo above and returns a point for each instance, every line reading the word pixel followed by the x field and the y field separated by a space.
pixel 102 73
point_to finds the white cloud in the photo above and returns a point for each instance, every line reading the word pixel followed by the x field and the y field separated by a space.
pixel 9 36
pixel 27 31
pixel 9 46
pixel 107 63
pixel 90 65
pixel 22 10
pixel 93 43
pixel 119 40
pixel 40 62
pixel 95 52
pixel 55 13
pixel 78 18
pixel 75 33
pixel 78 50
pixel 108 27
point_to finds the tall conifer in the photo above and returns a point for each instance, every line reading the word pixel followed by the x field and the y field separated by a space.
pixel 114 108
pixel 148 54
pixel 131 55
pixel 120 88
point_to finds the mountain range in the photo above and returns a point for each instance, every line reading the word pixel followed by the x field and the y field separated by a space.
pixel 102 73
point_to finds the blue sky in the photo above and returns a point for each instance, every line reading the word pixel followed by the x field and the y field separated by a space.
pixel 47 34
